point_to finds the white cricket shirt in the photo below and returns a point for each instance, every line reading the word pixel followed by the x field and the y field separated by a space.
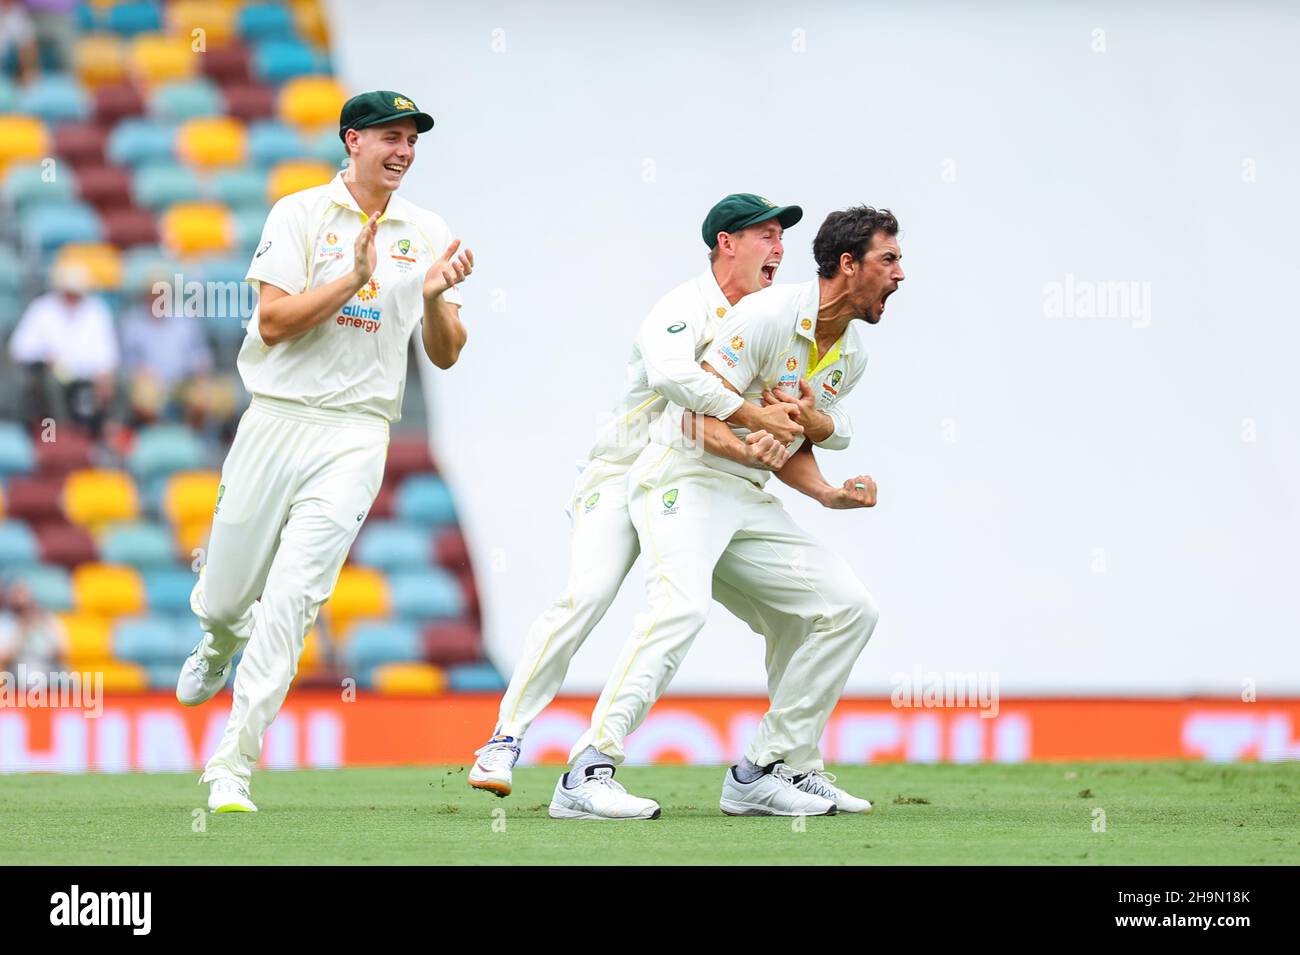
pixel 665 366
pixel 354 361
pixel 768 341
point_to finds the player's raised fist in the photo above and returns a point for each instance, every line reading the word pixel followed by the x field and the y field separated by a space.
pixel 449 269
pixel 765 451
pixel 366 254
pixel 857 491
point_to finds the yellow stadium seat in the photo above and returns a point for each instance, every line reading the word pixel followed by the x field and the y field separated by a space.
pixel 294 175
pixel 212 141
pixel 360 592
pixel 99 58
pixel 310 102
pixel 196 228
pixel 93 497
pixel 2 502
pixel 122 677
pixel 214 18
pixel 22 139
pixel 311 22
pixel 190 497
pixel 101 261
pixel 410 679
pixel 192 536
pixel 112 589
pixel 90 639
pixel 312 651
pixel 160 58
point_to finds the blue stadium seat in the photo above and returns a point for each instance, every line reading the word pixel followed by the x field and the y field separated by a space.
pixel 240 187
pixel 372 644
pixel 325 146
pixel 49 226
pixel 139 544
pixel 162 676
pixel 18 546
pixel 17 456
pixel 425 594
pixel 145 640
pixel 394 545
pixel 30 185
pixel 138 140
pixel 187 99
pixel 425 499
pixel 164 448
pixel 226 269
pixel 129 19
pixel 260 22
pixel 86 18
pixel 146 264
pixel 270 141
pixel 278 60
pixel 472 677
pixel 8 95
pixel 167 590
pixel 51 585
pixel 249 221
pixel 157 185
pixel 11 275
pixel 11 309
pixel 55 98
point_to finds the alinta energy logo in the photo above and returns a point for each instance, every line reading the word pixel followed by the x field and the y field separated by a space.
pixel 75 907
pixel 26 688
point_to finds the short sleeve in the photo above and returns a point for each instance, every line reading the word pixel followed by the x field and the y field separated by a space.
pixel 281 256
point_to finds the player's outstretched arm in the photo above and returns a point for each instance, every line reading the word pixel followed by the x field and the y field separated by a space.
pixel 803 474
pixel 442 331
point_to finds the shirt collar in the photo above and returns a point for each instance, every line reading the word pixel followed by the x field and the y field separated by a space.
pixel 712 292
pixel 399 210
pixel 808 302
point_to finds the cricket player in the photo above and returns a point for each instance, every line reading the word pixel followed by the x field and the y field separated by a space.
pixel 744 234
pixel 701 517
pixel 344 272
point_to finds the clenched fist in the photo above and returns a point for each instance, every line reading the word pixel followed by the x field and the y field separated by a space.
pixel 765 451
pixel 857 491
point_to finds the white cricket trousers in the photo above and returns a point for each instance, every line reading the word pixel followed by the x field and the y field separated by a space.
pixel 603 546
pixel 295 489
pixel 695 522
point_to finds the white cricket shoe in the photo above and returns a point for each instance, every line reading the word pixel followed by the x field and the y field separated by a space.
pixel 772 794
pixel 821 783
pixel 201 677
pixel 599 797
pixel 493 769
pixel 229 795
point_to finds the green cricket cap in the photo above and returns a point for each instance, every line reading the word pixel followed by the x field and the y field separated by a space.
pixel 380 106
pixel 741 209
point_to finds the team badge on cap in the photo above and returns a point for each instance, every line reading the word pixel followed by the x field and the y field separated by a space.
pixel 401 102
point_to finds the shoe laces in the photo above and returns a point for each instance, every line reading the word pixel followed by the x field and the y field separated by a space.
pixel 234 784
pixel 498 755
pixel 605 779
pixel 820 783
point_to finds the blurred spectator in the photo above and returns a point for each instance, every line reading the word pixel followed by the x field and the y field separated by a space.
pixel 29 634
pixel 19 55
pixel 66 341
pixel 166 361
pixel 56 30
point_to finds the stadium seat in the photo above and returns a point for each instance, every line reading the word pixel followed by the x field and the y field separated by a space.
pixel 425 499
pixel 227 64
pixel 270 142
pixel 249 101
pixel 117 101
pixel 476 678
pixel 110 589
pixel 99 59
pixel 90 639
pixel 56 98
pixel 371 644
pixel 11 275
pixel 192 536
pixel 249 222
pixel 131 19
pixel 104 187
pixel 214 17
pixel 29 185
pixel 259 22
pixel 81 145
pixel 16 453
pixel 325 146
pixel 312 102
pixel 50 585
pixel 393 545
pixel 163 449
pixel 157 185
pixel 122 677
pixel 148 264
pixel 22 139
pixel 241 187
pixel 382 509
pixel 157 58
pixel 65 544
pixel 93 497
pixel 426 594
pixel 186 99
pixel 17 545
pixel 167 589
pixel 137 140
pixel 145 640
pixel 191 496
pixel 66 449
pixel 451 550
pixel 138 544
pixel 48 226
pixel 294 175
pixel 101 262
pixel 212 141
pixel 452 642
pixel 126 228
pixel 8 95
pixel 278 60
pixel 311 23
pixel 359 592
pixel 34 500
pixel 415 678
pixel 407 454
pixel 197 228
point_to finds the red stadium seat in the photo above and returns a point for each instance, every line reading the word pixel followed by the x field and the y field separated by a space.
pixel 65 544
pixel 407 455
pixel 130 226
pixel 469 588
pixel 35 500
pixel 226 64
pixel 250 101
pixel 70 449
pixel 81 145
pixel 105 187
pixel 450 643
pixel 452 551
pixel 382 509
pixel 117 101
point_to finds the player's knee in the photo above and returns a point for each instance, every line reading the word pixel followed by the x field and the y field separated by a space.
pixel 215 610
pixel 857 610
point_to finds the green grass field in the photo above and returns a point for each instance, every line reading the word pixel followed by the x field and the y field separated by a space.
pixel 1155 813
